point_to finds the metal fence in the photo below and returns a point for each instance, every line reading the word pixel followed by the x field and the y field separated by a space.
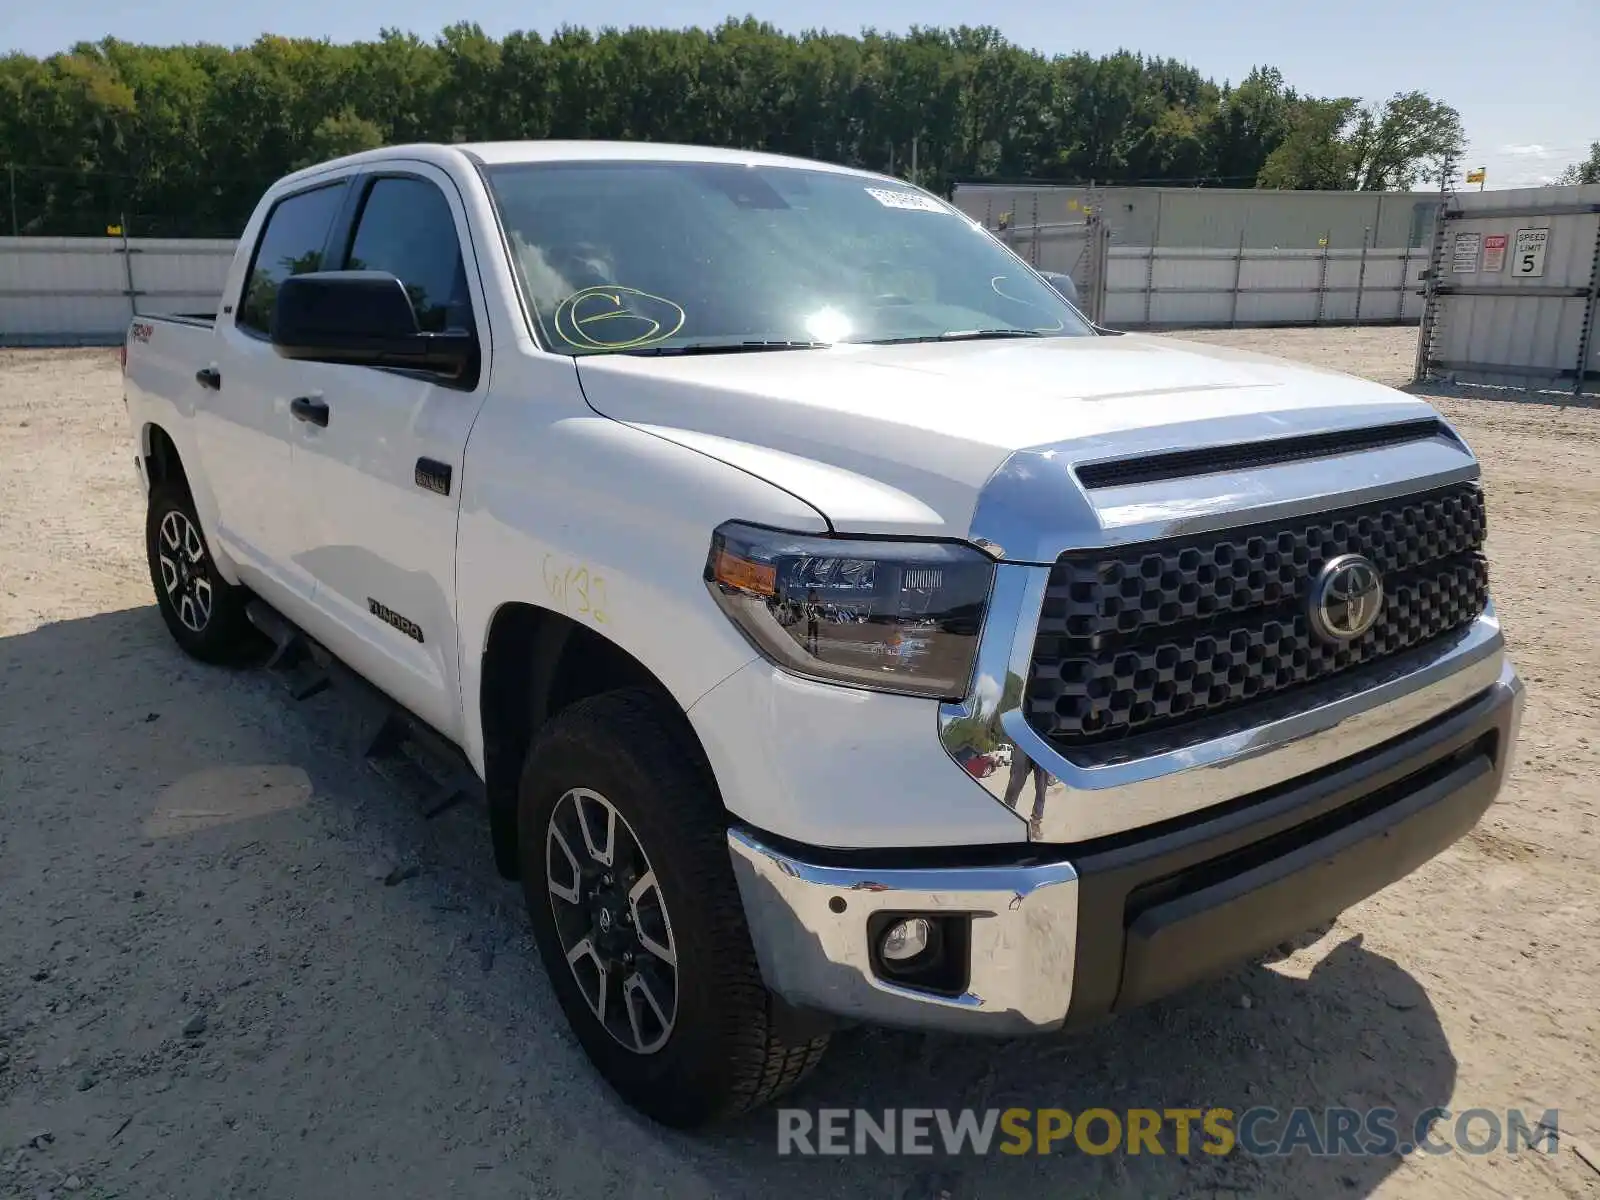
pixel 1513 290
pixel 1141 287
pixel 1217 218
pixel 1151 287
pixel 1077 248
pixel 83 291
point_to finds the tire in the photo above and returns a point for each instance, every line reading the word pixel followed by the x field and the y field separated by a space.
pixel 204 613
pixel 719 1052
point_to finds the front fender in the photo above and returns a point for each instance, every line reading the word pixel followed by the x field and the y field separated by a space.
pixel 609 525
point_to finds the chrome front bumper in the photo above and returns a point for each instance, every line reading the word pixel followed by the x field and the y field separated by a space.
pixel 809 923
pixel 1068 933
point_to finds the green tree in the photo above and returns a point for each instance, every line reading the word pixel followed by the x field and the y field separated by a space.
pixel 1247 125
pixel 342 133
pixel 1409 137
pixel 1313 153
pixel 1587 171
pixel 182 139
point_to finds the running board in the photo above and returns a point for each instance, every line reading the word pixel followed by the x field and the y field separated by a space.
pixel 399 739
pixel 291 651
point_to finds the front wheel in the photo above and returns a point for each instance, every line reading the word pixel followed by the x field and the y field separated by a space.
pixel 638 919
pixel 203 612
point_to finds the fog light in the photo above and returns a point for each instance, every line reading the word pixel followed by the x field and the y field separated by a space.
pixel 906 939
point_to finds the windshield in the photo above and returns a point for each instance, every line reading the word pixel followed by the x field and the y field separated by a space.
pixel 649 257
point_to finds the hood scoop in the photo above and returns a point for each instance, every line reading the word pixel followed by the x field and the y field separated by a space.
pixel 1211 460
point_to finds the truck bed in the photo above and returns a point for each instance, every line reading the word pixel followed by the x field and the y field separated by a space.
pixel 164 352
pixel 205 320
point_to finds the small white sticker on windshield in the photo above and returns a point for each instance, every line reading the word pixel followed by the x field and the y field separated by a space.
pixel 891 198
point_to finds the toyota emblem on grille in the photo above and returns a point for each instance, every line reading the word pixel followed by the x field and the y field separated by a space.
pixel 1346 598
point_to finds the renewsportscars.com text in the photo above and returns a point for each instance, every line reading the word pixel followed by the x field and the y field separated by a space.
pixel 1259 1132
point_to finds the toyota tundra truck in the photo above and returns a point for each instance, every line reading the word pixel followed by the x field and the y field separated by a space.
pixel 842 628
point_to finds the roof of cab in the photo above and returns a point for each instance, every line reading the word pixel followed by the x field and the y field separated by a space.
pixel 574 151
pixel 497 153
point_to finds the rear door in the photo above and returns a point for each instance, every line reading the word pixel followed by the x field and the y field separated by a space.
pixel 380 482
pixel 242 421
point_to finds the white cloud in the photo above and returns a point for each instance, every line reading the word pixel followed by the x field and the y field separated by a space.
pixel 1530 150
pixel 987 691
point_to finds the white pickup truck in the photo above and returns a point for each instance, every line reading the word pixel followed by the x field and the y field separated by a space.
pixel 842 628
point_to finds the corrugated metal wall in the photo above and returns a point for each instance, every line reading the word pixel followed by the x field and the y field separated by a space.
pixel 1502 312
pixel 1218 218
pixel 1132 287
pixel 77 290
pixel 83 291
pixel 1171 287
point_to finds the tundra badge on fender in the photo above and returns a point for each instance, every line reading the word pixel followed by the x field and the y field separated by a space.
pixel 388 615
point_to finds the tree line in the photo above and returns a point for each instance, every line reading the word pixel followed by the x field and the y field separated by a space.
pixel 1586 171
pixel 182 139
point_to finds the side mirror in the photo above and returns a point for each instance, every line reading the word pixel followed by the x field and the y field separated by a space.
pixel 1064 285
pixel 362 318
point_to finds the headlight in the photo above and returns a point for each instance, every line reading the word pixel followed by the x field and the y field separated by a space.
pixel 889 615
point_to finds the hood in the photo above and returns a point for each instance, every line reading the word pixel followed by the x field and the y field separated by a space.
pixel 901 439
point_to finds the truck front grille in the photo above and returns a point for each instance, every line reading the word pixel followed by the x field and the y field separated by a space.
pixel 1138 638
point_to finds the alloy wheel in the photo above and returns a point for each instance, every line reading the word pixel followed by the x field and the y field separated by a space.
pixel 181 556
pixel 612 921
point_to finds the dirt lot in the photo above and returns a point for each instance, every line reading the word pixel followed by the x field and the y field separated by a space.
pixel 214 982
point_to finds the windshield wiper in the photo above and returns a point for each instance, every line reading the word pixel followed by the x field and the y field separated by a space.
pixel 956 335
pixel 727 348
pixel 753 347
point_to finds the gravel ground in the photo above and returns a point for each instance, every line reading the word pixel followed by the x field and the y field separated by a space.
pixel 235 961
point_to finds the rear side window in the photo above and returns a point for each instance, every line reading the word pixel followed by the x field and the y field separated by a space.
pixel 406 229
pixel 291 244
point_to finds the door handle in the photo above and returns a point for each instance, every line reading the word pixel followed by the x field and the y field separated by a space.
pixel 433 475
pixel 304 408
pixel 209 378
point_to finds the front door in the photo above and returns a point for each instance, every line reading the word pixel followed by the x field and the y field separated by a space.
pixel 242 418
pixel 381 480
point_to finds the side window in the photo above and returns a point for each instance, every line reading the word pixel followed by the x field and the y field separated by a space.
pixel 291 244
pixel 406 229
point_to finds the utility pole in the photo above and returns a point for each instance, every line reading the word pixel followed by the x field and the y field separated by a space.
pixel 914 159
pixel 127 264
pixel 16 229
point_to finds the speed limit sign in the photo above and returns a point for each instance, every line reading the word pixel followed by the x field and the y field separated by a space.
pixel 1527 256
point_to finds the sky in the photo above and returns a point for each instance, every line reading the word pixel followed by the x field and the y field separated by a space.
pixel 1525 77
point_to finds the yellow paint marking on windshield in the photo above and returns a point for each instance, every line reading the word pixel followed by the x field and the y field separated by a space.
pixel 606 303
